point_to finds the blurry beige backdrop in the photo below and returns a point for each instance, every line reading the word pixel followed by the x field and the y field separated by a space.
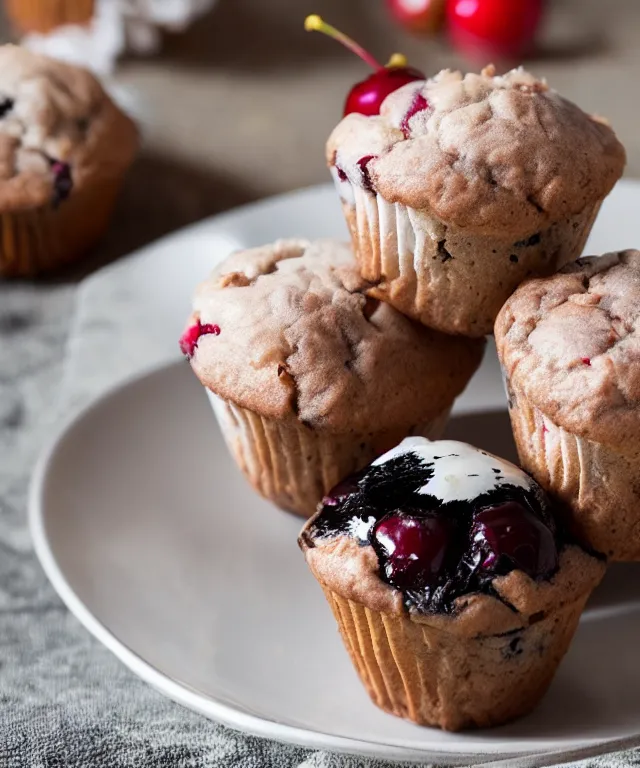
pixel 240 106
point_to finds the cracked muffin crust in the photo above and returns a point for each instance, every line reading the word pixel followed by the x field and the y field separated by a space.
pixel 465 186
pixel 569 346
pixel 64 149
pixel 455 593
pixel 309 377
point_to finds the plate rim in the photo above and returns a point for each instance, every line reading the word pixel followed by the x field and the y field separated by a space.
pixel 227 714
pixel 228 218
pixel 224 219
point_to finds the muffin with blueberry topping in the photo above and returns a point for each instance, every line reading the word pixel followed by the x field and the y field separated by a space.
pixel 64 151
pixel 463 186
pixel 455 592
pixel 310 379
pixel 570 350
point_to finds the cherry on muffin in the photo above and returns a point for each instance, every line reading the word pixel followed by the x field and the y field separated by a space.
pixel 437 549
pixel 493 234
pixel 508 536
pixel 413 548
pixel 367 96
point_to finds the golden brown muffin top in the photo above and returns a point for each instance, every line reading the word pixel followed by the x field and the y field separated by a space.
pixel 56 123
pixel 571 344
pixel 490 153
pixel 296 337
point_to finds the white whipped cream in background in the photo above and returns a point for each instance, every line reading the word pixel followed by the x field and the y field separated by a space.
pixel 118 25
pixel 460 471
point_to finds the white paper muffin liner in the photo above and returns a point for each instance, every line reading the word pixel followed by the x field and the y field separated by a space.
pixel 445 277
pixel 597 484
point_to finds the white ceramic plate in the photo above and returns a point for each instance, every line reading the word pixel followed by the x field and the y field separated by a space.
pixel 154 541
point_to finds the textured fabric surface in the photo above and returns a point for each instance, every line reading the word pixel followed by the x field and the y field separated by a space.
pixel 65 701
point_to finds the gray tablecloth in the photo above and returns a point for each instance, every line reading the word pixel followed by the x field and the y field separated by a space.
pixel 64 700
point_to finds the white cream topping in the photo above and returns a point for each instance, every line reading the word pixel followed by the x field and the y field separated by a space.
pixel 460 471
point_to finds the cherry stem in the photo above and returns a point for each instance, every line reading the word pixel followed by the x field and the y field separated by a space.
pixel 315 23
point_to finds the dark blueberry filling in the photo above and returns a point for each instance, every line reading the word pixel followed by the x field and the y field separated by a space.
pixel 62 182
pixel 6 105
pixel 443 252
pixel 435 552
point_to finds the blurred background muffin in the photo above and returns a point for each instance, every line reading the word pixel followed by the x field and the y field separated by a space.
pixel 45 15
pixel 64 150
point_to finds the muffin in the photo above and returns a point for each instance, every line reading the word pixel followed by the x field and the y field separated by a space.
pixel 45 15
pixel 464 186
pixel 570 352
pixel 309 378
pixel 454 591
pixel 64 151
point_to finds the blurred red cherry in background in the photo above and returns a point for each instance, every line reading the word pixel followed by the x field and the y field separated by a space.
pixel 494 29
pixel 419 16
pixel 366 97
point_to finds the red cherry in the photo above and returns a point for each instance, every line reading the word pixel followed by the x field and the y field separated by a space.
pixel 500 28
pixel 341 174
pixel 418 16
pixel 367 96
pixel 362 164
pixel 414 549
pixel 189 339
pixel 345 488
pixel 419 104
pixel 510 532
